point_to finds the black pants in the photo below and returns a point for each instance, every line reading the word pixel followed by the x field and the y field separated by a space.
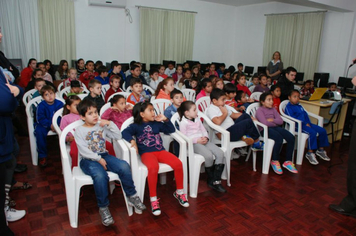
pixel 4 229
pixel 349 202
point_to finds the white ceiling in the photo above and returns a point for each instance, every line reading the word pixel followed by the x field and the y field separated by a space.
pixel 305 3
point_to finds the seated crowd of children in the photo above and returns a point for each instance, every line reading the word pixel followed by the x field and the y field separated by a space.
pixel 230 96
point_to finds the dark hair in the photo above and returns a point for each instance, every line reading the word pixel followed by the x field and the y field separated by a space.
pixel 230 88
pixel 264 96
pixel 84 106
pixel 134 66
pixel 175 92
pixel 239 76
pixel 152 71
pixel 114 64
pixel 77 62
pixel 69 101
pixel 222 64
pixel 262 75
pixel 46 88
pixel 89 61
pixel 216 81
pixel 211 77
pixel 38 80
pixel 255 76
pixel 31 60
pixel 187 69
pixel 240 64
pixel 293 91
pixel 116 98
pixel 290 69
pixel 60 68
pixel 74 84
pixel 102 69
pixel 114 77
pixel 137 109
pixel 226 71
pixel 98 64
pixel 134 81
pixel 132 63
pixel 309 82
pixel 216 94
pixel 239 94
pixel 185 106
pixel 196 80
pixel 40 63
pixel 47 61
pixel 231 69
pixel 34 72
pixel 162 84
pixel 274 87
pixel 329 84
pixel 93 82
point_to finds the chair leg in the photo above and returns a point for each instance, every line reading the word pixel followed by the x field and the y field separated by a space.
pixel 194 175
pixel 163 178
pixel 226 172
pixel 248 154
pixel 254 154
pixel 301 147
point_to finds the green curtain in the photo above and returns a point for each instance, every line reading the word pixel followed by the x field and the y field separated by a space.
pixel 297 37
pixel 57 30
pixel 166 35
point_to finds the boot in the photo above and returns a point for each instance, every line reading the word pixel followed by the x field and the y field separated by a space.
pixel 210 172
pixel 219 168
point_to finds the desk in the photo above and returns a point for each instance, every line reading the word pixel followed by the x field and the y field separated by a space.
pixel 323 110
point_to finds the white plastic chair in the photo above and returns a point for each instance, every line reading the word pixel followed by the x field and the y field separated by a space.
pixel 66 90
pixel 160 105
pixel 74 178
pixel 28 96
pixel 139 170
pixel 82 96
pixel 104 88
pixel 55 117
pixel 189 94
pixel 301 137
pixel 60 86
pixel 256 96
pixel 125 94
pixel 251 110
pixel 297 87
pixel 30 123
pixel 203 103
pixel 123 86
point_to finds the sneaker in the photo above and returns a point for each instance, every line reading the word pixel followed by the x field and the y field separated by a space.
pixel 276 167
pixel 311 158
pixel 322 155
pixel 257 146
pixel 156 210
pixel 42 162
pixel 242 151
pixel 290 166
pixel 235 155
pixel 135 202
pixel 106 217
pixel 182 199
pixel 13 214
pixel 247 139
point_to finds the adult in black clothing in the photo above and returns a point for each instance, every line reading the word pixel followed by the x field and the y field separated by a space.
pixel 286 82
pixel 348 204
pixel 5 63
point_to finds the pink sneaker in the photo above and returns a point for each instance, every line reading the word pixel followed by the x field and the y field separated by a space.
pixel 276 167
pixel 156 210
pixel 290 166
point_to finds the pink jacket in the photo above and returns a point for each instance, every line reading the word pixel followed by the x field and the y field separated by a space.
pixel 193 129
pixel 201 94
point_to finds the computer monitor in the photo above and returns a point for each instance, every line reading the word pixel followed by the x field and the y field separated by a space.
pixel 321 80
pixel 249 70
pixel 192 63
pixel 17 63
pixel 125 67
pixel 204 66
pixel 299 78
pixel 108 65
pixel 262 70
pixel 166 62
pixel 217 65
pixel 156 66
pixel 144 67
pixel 344 82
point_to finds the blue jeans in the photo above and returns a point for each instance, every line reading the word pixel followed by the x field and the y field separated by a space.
pixel 101 178
pixel 243 126
pixel 278 134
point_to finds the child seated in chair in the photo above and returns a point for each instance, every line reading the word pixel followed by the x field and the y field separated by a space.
pixel 240 125
pixel 89 74
pixel 176 99
pixel 114 86
pixel 44 115
pixel 206 88
pixel 95 160
pixel 75 88
pixel 72 77
pixel 136 95
pixel 276 93
pixel 262 86
pixel 39 83
pixel 95 93
pixel 103 75
pixel 119 111
pixel 306 89
pixel 318 138
pixel 242 101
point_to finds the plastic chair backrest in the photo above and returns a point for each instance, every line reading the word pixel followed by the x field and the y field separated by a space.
pixel 28 96
pixel 256 96
pixel 336 107
pixel 104 88
pixel 189 94
pixel 55 117
pixel 60 87
pixel 203 103
pixel 252 108
pixel 160 105
pixel 125 94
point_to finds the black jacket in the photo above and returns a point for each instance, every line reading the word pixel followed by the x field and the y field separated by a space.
pixel 286 86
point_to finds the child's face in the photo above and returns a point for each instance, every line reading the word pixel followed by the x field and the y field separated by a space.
pixel 49 96
pixel 209 87
pixel 231 95
pixel 43 68
pixel 268 102
pixel 76 90
pixel 177 100
pixel 188 74
pixel 115 84
pixel 136 72
pixel 81 64
pixel 148 114
pixel 222 68
pixel 194 84
pixel 264 80
pixel 104 74
pixel 137 88
pixel 191 113
pixel 243 98
pixel 294 98
pixel 206 75
pixel 212 67
pixel 73 74
pixel 65 66
pixel 277 92
pixel 333 87
pixel 269 81
pixel 121 104
pixel 91 116
pixel 169 86
pixel 180 70
pixel 90 67
pixel 39 85
pixel 195 70
pixel 308 86
pixel 117 69
pixel 312 84
pixel 220 102
pixel 242 80
pixel 240 68
pixel 220 85
pixel 154 76
pixel 227 76
pixel 161 70
pixel 170 66
pixel 255 81
pixel 39 74
pixel 73 107
pixel 48 66
pixel 96 90
pixel 185 65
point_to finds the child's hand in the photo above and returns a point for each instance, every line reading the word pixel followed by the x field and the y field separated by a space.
pixel 308 125
pixel 253 118
pixel 223 109
pixel 129 107
pixel 134 145
pixel 104 122
pixel 242 108
pixel 103 163
pixel 160 118
pixel 270 119
pixel 13 89
pixel 250 100
pixel 70 139
pixel 202 140
pixel 52 128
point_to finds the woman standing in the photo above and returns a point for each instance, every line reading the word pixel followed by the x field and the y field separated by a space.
pixel 275 66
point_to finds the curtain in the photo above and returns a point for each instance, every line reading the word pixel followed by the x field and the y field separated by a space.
pixel 297 37
pixel 166 35
pixel 57 30
pixel 19 26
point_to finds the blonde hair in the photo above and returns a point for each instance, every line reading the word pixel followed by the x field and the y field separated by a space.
pixel 72 68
